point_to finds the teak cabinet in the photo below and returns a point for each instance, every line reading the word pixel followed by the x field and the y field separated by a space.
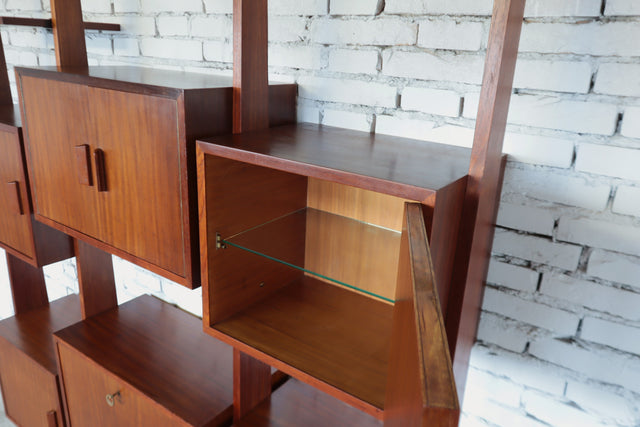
pixel 317 261
pixel 112 156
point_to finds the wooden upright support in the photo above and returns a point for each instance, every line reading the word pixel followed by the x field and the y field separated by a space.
pixel 484 185
pixel 96 280
pixel 68 33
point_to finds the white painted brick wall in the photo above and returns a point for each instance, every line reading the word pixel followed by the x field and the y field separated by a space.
pixel 364 64
pixel 450 34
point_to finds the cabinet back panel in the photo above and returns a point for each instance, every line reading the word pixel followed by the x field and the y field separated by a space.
pixel 15 228
pixel 238 197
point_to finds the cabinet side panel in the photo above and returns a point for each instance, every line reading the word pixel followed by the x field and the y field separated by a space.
pixel 238 197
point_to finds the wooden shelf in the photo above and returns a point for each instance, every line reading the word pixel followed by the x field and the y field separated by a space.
pixel 297 404
pixel 303 238
pixel 339 337
pixel 397 166
pixel 48 23
pixel 160 352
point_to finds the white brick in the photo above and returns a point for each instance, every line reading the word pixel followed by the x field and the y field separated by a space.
pixel 591 295
pixel 99 46
pixel 405 128
pixel 512 276
pixel 498 415
pixel 621 337
pixel 30 39
pixel 556 113
pixel 28 5
pixel 440 7
pixel 557 76
pixel 502 332
pixel 301 57
pixel 298 7
pixel 542 316
pixel 539 150
pixel 46 59
pixel 219 6
pixel 603 402
pixel 173 25
pixel 347 91
pixel 451 135
pixel 308 114
pixel 600 365
pixel 345 119
pixel 354 61
pixel 354 7
pixel 554 412
pixel 96 6
pixel 383 31
pixel 595 38
pixel 187 299
pixel 484 385
pixel 525 218
pixel 287 28
pixel 600 234
pixel 432 101
pixel 627 201
pixel 158 6
pixel 212 27
pixel 454 35
pixel 540 8
pixel 19 57
pixel 218 50
pixel 136 25
pixel 618 79
pixel 537 249
pixel 556 187
pixel 631 122
pixel 172 49
pixel 622 7
pixel 441 66
pixel 126 6
pixel 615 267
pixel 126 47
pixel 519 369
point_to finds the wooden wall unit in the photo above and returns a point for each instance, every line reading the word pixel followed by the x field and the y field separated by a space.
pixel 126 159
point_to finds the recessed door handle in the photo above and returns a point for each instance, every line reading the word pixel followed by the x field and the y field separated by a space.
pixel 101 172
pixel 83 164
pixel 15 197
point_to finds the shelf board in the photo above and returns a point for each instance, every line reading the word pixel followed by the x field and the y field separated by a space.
pixel 314 234
pixel 336 336
pixel 387 164
pixel 48 23
pixel 162 352
pixel 31 332
pixel 298 404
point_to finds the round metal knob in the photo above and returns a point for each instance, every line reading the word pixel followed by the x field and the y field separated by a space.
pixel 111 398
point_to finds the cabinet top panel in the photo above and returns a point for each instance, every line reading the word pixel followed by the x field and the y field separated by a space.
pixel 135 75
pixel 387 164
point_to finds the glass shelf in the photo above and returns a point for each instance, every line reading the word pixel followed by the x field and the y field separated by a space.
pixel 331 247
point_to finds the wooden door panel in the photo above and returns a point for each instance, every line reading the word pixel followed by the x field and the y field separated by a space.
pixel 55 122
pixel 15 217
pixel 87 386
pixel 141 193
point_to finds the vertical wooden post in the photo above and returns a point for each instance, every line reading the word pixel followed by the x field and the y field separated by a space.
pixel 27 285
pixel 250 70
pixel 5 87
pixel 251 383
pixel 483 188
pixel 68 33
pixel 95 276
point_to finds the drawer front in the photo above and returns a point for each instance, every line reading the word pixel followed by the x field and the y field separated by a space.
pixel 96 397
pixel 21 380
pixel 15 215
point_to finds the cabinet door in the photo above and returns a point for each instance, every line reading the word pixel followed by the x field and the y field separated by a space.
pixel 142 199
pixel 96 397
pixel 56 119
pixel 15 215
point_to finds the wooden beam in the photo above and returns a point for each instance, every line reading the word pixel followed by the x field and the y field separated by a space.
pixel 27 285
pixel 251 383
pixel 96 279
pixel 483 188
pixel 5 87
pixel 48 23
pixel 68 34
pixel 250 71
